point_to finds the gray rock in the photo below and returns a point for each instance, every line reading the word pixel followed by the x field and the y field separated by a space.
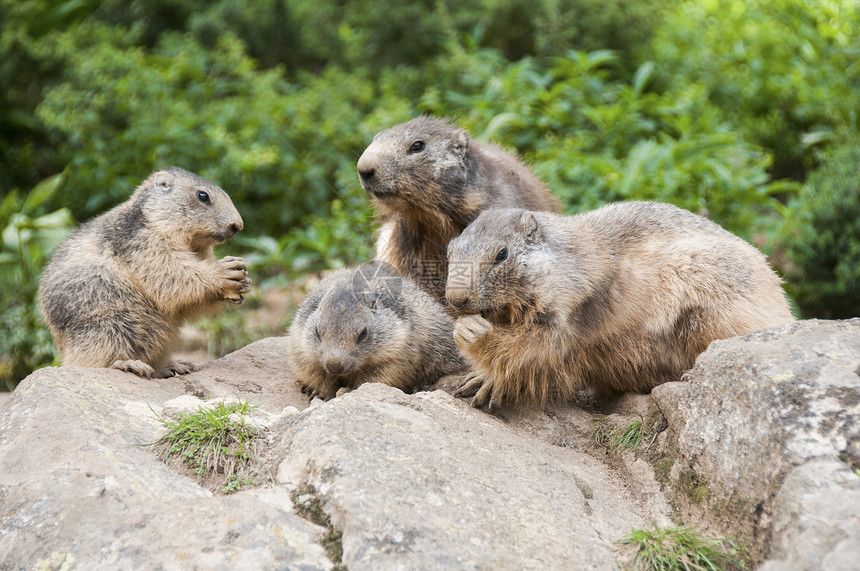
pixel 79 488
pixel 767 429
pixel 817 518
pixel 425 482
pixel 413 481
pixel 764 436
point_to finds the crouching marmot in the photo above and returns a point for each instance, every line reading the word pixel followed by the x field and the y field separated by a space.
pixel 622 298
pixel 428 180
pixel 118 289
pixel 369 324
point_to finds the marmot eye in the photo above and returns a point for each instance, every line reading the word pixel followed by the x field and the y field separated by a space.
pixel 362 335
pixel 203 197
pixel 502 255
pixel 417 147
pixel 317 334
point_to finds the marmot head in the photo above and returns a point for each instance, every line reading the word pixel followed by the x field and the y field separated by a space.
pixel 359 323
pixel 421 164
pixel 494 263
pixel 188 209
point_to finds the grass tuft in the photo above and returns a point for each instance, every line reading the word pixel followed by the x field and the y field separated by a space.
pixel 683 549
pixel 625 437
pixel 212 440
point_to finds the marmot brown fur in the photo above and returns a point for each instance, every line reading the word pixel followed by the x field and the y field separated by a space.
pixel 429 180
pixel 369 324
pixel 622 298
pixel 118 289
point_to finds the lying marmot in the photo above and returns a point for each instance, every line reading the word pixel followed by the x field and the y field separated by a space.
pixel 118 289
pixel 369 324
pixel 429 180
pixel 622 298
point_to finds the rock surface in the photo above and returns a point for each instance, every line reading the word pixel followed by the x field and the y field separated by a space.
pixel 768 432
pixel 761 440
pixel 422 481
pixel 78 487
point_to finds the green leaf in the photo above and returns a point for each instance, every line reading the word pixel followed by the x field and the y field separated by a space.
pixel 43 191
pixel 642 77
pixel 815 137
pixel 497 123
pixel 9 206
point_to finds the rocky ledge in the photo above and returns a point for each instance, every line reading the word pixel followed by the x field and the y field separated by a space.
pixel 761 441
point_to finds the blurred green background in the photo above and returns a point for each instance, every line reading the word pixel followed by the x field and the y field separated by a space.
pixel 742 110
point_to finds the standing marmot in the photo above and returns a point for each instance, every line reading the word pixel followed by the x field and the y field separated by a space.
pixel 369 324
pixel 118 289
pixel 429 180
pixel 622 298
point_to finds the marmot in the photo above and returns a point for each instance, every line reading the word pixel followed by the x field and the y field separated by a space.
pixel 369 324
pixel 429 180
pixel 118 289
pixel 622 298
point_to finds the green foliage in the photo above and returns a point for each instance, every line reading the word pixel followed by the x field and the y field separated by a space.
pixel 28 238
pixel 821 237
pixel 683 549
pixel 786 73
pixel 707 104
pixel 626 437
pixel 319 243
pixel 597 140
pixel 212 440
pixel 26 67
pixel 278 149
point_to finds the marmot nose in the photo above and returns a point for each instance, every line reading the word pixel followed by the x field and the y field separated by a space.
pixel 367 174
pixel 367 166
pixel 235 228
pixel 458 300
pixel 335 366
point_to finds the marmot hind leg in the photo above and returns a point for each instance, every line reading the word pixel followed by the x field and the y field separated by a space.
pixel 480 387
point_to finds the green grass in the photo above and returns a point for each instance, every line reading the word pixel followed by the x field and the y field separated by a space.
pixel 683 549
pixel 625 437
pixel 213 440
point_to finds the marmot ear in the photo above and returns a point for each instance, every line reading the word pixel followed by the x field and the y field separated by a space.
pixel 163 181
pixel 368 299
pixel 529 226
pixel 461 141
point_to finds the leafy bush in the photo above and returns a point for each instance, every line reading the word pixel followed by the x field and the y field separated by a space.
pixel 274 100
pixel 821 237
pixel 596 140
pixel 28 239
pixel 278 148
pixel 320 243
pixel 786 73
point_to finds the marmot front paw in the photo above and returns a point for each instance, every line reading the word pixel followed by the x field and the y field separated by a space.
pixel 469 329
pixel 236 280
pixel 135 366
pixel 177 368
